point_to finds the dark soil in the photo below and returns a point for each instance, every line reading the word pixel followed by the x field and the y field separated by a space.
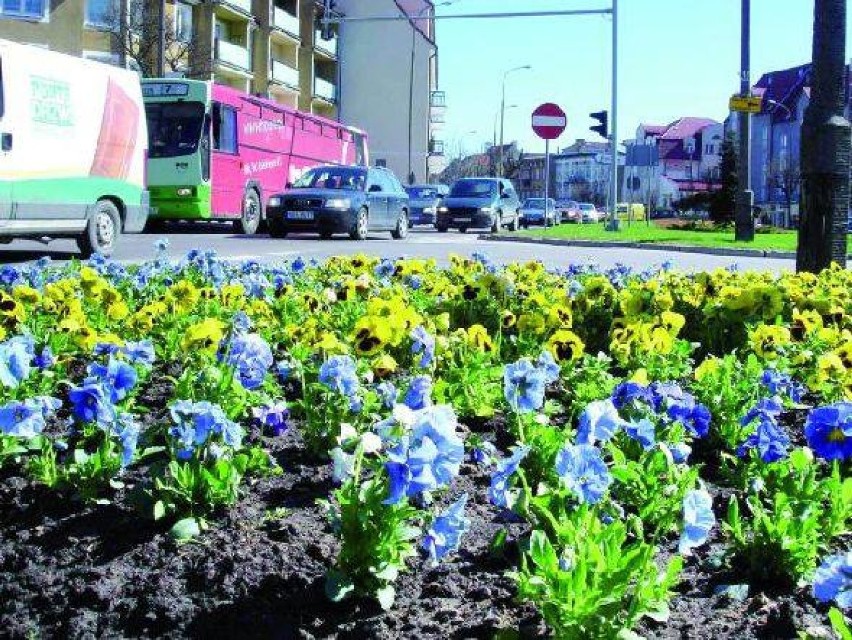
pixel 68 570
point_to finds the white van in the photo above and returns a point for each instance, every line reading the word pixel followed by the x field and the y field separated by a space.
pixel 73 144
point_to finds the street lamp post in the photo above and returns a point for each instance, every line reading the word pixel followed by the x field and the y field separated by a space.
pixel 503 114
pixel 429 7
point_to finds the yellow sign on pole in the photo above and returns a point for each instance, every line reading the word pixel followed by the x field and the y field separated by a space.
pixel 748 104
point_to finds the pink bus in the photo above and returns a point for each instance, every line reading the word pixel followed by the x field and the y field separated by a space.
pixel 217 153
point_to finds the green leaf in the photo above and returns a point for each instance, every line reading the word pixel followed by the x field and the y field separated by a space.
pixel 159 510
pixel 839 624
pixel 186 529
pixel 498 542
pixel 337 586
pixel 386 595
pixel 542 552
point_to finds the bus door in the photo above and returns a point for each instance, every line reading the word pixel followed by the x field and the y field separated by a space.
pixel 227 169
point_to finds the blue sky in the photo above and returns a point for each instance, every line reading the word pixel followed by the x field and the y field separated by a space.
pixel 677 58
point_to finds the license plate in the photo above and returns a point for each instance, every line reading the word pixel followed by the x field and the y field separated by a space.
pixel 300 215
pixel 462 220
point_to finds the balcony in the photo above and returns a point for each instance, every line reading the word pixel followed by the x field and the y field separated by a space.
pixel 282 72
pixel 232 54
pixel 325 90
pixel 328 47
pixel 239 7
pixel 285 21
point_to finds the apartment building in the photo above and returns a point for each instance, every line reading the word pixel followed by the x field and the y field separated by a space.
pixel 389 84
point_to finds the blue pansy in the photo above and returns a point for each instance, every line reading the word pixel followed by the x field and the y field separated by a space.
pixel 782 384
pixel 128 434
pixel 161 245
pixel 423 344
pixel 384 269
pixel 484 454
pixel 642 431
pixel 680 452
pixel 426 459
pixel 630 394
pixel 45 359
pixel 548 366
pixel 16 357
pixel 118 378
pixel 444 536
pixel 338 374
pixel 298 265
pixel 22 419
pixel 91 403
pixel 506 468
pixel 583 472
pixel 829 431
pixel 419 394
pixel 272 417
pixel 599 422
pixel 106 349
pixel 833 580
pixel 141 352
pixel 251 356
pixel 768 438
pixel 197 422
pixel 387 393
pixel 698 519
pixel 523 386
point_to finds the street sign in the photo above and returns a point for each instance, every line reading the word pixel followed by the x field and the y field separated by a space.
pixel 747 104
pixel 549 121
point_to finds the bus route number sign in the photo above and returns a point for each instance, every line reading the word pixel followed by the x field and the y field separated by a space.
pixel 164 89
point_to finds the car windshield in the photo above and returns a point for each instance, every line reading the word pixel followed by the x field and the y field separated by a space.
pixel 474 189
pixel 344 178
pixel 534 203
pixel 174 128
pixel 421 193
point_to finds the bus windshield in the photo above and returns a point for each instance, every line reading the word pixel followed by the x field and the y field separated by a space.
pixel 348 178
pixel 174 128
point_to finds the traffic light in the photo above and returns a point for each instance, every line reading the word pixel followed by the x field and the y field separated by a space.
pixel 602 117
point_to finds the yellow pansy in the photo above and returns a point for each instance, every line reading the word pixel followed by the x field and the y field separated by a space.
pixel 205 335
pixel 183 295
pixel 384 365
pixel 371 335
pixel 477 336
pixel 566 345
pixel 768 341
pixel 707 368
pixel 26 295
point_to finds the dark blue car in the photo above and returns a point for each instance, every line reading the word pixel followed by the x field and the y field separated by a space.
pixel 423 201
pixel 340 199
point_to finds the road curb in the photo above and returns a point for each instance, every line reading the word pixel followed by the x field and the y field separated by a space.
pixel 678 248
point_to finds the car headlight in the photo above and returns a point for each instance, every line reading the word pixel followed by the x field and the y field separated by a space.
pixel 443 210
pixel 486 209
pixel 428 209
pixel 184 191
pixel 274 201
pixel 338 203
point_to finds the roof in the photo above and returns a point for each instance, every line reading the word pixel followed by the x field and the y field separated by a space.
pixel 654 129
pixel 686 128
pixel 585 146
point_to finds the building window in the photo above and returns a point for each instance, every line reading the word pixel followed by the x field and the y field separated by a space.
pixel 183 22
pixel 24 8
pixel 101 13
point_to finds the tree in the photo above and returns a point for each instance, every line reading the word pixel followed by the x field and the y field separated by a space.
pixel 724 200
pixel 825 153
pixel 134 30
pixel 786 177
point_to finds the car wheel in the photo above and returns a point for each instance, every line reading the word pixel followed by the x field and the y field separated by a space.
pixel 513 226
pixel 250 218
pixel 441 229
pixel 102 230
pixel 462 229
pixel 277 229
pixel 362 225
pixel 325 234
pixel 495 225
pixel 402 226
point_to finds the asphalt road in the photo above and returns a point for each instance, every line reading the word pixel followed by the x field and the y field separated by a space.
pixel 421 242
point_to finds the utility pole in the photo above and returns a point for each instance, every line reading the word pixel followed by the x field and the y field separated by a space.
pixel 744 218
pixel 613 210
pixel 161 40
pixel 825 154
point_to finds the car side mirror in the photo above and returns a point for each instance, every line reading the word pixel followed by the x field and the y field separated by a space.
pixel 374 188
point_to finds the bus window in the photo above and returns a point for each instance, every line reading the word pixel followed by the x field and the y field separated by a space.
pixel 2 103
pixel 224 128
pixel 174 128
pixel 205 149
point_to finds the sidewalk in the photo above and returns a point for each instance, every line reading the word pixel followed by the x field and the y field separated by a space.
pixel 679 248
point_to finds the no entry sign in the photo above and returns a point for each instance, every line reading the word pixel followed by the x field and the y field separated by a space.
pixel 549 121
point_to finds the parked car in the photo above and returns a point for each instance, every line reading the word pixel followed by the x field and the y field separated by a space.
pixel 341 199
pixel 479 203
pixel 534 211
pixel 590 213
pixel 423 202
pixel 568 210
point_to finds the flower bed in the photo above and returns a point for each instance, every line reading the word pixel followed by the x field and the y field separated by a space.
pixel 367 448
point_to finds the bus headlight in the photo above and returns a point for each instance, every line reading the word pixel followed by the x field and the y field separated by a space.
pixel 274 201
pixel 338 203
pixel 185 192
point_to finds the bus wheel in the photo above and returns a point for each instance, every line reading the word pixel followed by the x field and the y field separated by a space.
pixel 102 230
pixel 250 219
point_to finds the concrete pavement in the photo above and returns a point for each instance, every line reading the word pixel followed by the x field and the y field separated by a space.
pixel 421 243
